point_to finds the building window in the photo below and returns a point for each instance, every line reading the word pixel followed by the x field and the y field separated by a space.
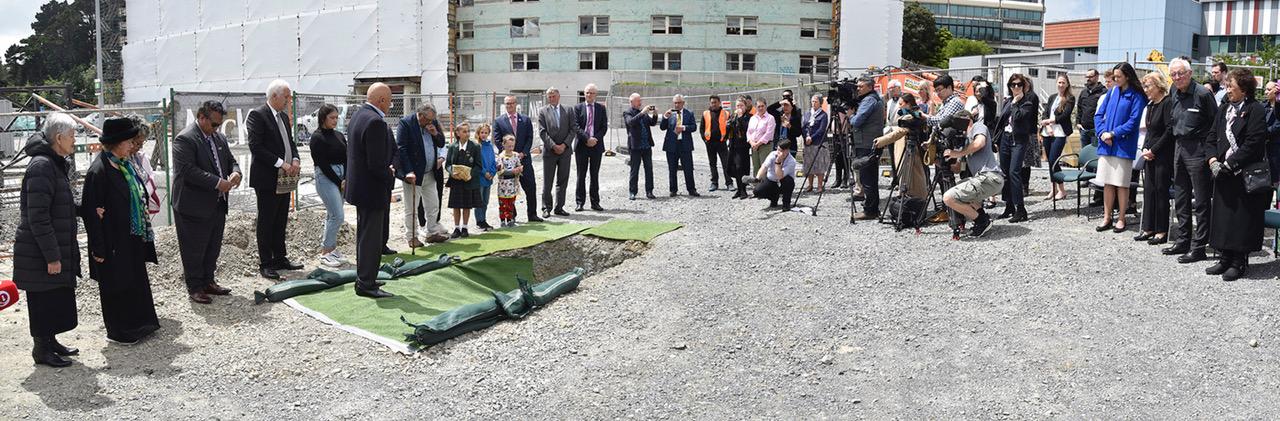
pixel 524 27
pixel 593 25
pixel 665 24
pixel 593 60
pixel 741 25
pixel 666 60
pixel 524 62
pixel 815 28
pixel 815 64
pixel 466 63
pixel 740 62
pixel 467 29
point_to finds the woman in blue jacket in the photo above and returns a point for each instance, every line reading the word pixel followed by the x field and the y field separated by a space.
pixel 1117 123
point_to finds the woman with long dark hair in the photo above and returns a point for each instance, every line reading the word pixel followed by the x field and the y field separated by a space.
pixel 329 154
pixel 1055 127
pixel 1015 126
pixel 1117 121
pixel 1237 145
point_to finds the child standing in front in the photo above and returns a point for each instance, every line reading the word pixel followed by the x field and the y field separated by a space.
pixel 463 166
pixel 509 170
pixel 489 170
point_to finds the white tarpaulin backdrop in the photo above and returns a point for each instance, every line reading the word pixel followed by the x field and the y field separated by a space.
pixel 870 34
pixel 318 46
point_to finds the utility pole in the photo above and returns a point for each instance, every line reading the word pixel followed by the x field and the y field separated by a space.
pixel 97 18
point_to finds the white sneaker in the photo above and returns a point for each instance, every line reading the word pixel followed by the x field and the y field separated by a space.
pixel 338 255
pixel 330 261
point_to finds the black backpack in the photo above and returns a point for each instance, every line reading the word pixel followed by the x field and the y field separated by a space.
pixel 907 212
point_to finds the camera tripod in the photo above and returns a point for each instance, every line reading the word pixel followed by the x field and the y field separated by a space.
pixel 943 180
pixel 840 139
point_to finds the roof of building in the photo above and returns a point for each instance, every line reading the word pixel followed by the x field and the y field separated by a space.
pixel 1071 34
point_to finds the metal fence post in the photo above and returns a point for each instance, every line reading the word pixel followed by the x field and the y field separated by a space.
pixel 168 126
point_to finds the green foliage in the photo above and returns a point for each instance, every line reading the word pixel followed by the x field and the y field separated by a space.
pixel 960 47
pixel 921 42
pixel 61 51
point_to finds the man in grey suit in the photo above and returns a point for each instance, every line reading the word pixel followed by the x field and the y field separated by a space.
pixel 205 171
pixel 558 128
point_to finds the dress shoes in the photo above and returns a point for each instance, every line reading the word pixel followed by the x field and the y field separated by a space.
pixel 269 273
pixel 287 265
pixel 713 187
pixel 201 298
pixel 1192 256
pixel 561 212
pixel 484 226
pixel 60 349
pixel 1142 236
pixel 694 194
pixel 673 194
pixel 1218 268
pixel 535 218
pixel 214 289
pixel 597 208
pixel 373 293
pixel 437 238
pixel 1175 250
pixel 579 208
pixel 387 251
pixel 43 354
pixel 1158 240
pixel 650 195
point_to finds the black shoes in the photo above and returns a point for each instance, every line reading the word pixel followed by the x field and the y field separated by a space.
pixel 1143 236
pixel 484 226
pixel 694 194
pixel 535 218
pixel 632 196
pixel 1176 249
pixel 650 195
pixel 579 208
pixel 546 213
pixel 1218 268
pixel 1019 215
pixel 387 251
pixel 597 208
pixel 673 194
pixel 1158 240
pixel 1192 256
pixel 43 353
pixel 287 265
pixel 373 293
pixel 60 349
pixel 269 273
pixel 1008 211
pixel 980 225
pixel 1235 272
pixel 561 212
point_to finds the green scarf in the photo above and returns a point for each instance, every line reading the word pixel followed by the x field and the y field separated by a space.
pixel 139 224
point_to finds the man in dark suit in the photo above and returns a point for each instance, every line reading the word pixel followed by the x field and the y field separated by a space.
pixel 519 125
pixel 680 125
pixel 640 144
pixel 273 153
pixel 205 171
pixel 558 129
pixel 593 123
pixel 370 178
pixel 421 148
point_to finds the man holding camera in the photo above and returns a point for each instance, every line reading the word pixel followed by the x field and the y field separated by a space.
pixel 987 180
pixel 865 126
pixel 640 145
pixel 678 144
pixel 777 176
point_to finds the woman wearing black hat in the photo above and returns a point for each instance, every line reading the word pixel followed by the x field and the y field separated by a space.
pixel 46 255
pixel 121 240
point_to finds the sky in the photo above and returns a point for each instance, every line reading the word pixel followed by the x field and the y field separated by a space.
pixel 1056 10
pixel 15 22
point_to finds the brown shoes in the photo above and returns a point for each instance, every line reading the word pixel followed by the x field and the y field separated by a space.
pixel 863 216
pixel 414 243
pixel 201 298
pixel 437 238
pixel 214 289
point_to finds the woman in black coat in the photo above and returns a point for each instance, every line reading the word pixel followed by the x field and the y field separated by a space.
pixel 1237 143
pixel 739 149
pixel 1014 128
pixel 1157 154
pixel 121 240
pixel 46 254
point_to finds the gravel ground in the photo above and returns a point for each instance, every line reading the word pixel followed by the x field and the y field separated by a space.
pixel 743 313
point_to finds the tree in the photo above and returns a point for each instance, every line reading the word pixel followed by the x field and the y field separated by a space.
pixel 960 47
pixel 59 52
pixel 920 43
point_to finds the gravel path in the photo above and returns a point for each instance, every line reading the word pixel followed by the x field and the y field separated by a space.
pixel 741 314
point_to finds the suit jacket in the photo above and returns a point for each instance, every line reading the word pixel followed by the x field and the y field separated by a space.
pixel 554 132
pixel 1063 118
pixel 600 125
pixel 523 132
pixel 678 142
pixel 266 146
pixel 638 123
pixel 195 180
pixel 818 130
pixel 410 155
pixel 370 150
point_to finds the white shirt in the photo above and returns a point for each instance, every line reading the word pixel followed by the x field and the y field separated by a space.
pixel 1053 115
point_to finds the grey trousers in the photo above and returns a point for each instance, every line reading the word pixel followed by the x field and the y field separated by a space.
pixel 555 168
pixel 371 232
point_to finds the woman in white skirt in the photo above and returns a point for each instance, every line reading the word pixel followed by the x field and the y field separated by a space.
pixel 1117 122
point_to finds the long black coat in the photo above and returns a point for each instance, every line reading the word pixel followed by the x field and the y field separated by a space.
pixel 1236 220
pixel 110 236
pixel 47 228
pixel 370 150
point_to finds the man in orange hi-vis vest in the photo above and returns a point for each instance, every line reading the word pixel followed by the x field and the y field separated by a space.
pixel 712 127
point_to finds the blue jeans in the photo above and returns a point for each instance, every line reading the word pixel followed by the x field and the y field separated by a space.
pixel 479 211
pixel 1086 137
pixel 1012 153
pixel 331 195
pixel 1053 149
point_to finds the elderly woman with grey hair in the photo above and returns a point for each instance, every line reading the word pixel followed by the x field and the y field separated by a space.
pixel 46 253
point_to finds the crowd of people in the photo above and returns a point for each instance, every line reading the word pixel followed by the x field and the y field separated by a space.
pixel 1207 151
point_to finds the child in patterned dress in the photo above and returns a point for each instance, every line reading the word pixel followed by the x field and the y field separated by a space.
pixel 509 169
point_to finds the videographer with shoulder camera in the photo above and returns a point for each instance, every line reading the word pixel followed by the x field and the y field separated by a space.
pixel 987 180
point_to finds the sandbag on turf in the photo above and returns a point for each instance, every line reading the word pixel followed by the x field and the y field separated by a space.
pixel 320 279
pixel 511 305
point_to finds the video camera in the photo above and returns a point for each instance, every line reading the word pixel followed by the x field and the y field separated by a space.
pixel 951 133
pixel 842 95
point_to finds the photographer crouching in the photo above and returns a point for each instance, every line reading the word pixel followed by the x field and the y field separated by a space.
pixel 777 176
pixel 987 180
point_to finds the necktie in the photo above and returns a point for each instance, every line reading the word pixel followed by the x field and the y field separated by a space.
pixel 217 162
pixel 288 152
pixel 557 110
pixel 680 118
pixel 590 121
pixel 513 124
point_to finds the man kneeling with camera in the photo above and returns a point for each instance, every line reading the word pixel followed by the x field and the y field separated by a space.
pixel 987 180
pixel 777 176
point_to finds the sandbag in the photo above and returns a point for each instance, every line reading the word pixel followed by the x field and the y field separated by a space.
pixel 510 305
pixel 320 279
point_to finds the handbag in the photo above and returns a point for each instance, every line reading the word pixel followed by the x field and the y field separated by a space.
pixel 1257 177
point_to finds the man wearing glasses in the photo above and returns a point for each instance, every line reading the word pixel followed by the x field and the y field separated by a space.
pixel 1194 109
pixel 1088 105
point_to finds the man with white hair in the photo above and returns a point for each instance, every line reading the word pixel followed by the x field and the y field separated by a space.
pixel 1194 110
pixel 593 123
pixel 421 149
pixel 678 144
pixel 557 128
pixel 273 154
pixel 891 104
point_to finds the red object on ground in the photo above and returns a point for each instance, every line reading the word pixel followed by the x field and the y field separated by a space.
pixel 8 294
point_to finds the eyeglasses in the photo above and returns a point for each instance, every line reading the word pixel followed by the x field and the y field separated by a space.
pixel 1179 73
